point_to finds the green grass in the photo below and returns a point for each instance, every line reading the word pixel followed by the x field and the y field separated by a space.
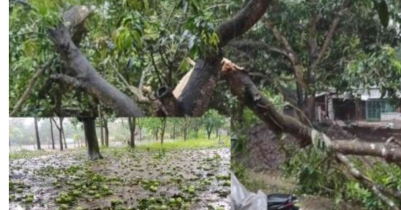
pixel 28 154
pixel 189 144
pixel 178 144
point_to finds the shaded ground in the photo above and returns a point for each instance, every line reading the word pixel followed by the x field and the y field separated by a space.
pixel 145 179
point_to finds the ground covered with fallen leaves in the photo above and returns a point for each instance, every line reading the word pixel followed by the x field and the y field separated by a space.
pixel 124 179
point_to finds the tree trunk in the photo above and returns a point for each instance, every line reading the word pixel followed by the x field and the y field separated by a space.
pixel 157 134
pixel 61 133
pixel 101 130
pixel 174 131
pixel 217 132
pixel 132 125
pixel 185 134
pixel 51 133
pixel 163 128
pixel 106 132
pixel 91 138
pixel 65 140
pixel 37 133
pixel 140 134
pixel 209 132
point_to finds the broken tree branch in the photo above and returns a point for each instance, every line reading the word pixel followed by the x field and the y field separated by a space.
pixel 195 95
pixel 242 86
pixel 365 181
pixel 93 83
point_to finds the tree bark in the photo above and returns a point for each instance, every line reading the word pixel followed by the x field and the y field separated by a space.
pixel 83 75
pixel 174 131
pixel 61 133
pixel 157 134
pixel 209 132
pixel 101 131
pixel 132 126
pixel 163 128
pixel 51 133
pixel 65 140
pixel 106 132
pixel 195 91
pixel 140 134
pixel 37 133
pixel 91 138
pixel 185 134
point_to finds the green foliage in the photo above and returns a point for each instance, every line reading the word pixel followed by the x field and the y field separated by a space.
pixel 124 37
pixel 381 69
pixel 320 174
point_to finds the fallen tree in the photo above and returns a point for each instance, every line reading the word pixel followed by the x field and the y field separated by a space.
pixel 242 86
pixel 192 95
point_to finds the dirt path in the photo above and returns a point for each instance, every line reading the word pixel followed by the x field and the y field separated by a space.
pixel 188 179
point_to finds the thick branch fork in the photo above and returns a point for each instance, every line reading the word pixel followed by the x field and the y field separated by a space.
pixel 88 77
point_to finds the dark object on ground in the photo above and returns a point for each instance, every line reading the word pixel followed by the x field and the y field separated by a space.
pixel 282 202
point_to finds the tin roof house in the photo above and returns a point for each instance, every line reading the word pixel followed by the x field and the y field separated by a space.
pixel 362 105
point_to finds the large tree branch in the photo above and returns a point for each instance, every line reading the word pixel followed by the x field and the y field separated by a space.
pixel 194 97
pixel 242 21
pixel 242 86
pixel 388 152
pixel 73 18
pixel 94 84
pixel 365 181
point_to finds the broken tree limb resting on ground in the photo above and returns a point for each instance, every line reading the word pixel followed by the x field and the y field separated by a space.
pixel 389 153
pixel 365 181
pixel 93 83
pixel 242 86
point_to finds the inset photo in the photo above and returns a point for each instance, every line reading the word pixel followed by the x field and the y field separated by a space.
pixel 119 163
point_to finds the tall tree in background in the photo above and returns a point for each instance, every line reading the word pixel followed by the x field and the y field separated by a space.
pixel 51 133
pixel 106 132
pixel 131 123
pixel 37 133
pixel 60 130
pixel 162 129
